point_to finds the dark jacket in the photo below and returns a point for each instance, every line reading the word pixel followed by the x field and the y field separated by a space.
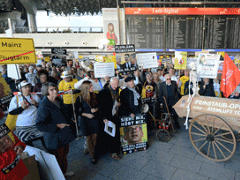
pixel 127 102
pixel 208 90
pixel 163 92
pixel 48 116
pixel 106 103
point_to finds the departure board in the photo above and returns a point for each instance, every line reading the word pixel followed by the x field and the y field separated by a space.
pixel 145 31
pixel 183 31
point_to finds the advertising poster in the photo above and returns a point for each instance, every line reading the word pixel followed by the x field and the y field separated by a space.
pixel 207 65
pixel 147 60
pixel 133 134
pixel 180 60
pixel 111 27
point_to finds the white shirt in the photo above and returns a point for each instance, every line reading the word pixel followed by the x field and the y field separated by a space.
pixel 29 115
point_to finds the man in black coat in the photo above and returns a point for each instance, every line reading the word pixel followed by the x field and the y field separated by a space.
pixel 130 99
pixel 108 99
pixel 168 90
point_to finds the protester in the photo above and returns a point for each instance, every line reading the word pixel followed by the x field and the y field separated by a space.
pixel 43 79
pixel 11 165
pixel 206 88
pixel 90 117
pixel 31 76
pixel 169 91
pixel 70 98
pixel 53 120
pixel 25 106
pixel 130 99
pixel 182 81
pixel 108 100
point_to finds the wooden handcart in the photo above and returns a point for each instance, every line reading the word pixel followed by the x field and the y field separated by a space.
pixel 214 125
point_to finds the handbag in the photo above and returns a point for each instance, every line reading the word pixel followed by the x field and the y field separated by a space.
pixel 11 120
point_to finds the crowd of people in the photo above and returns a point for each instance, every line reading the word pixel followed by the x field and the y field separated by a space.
pixel 59 103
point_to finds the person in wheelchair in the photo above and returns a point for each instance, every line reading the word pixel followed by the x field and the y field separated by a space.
pixel 168 96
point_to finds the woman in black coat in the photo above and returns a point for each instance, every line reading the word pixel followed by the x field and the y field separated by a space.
pixel 56 125
pixel 90 117
pixel 206 87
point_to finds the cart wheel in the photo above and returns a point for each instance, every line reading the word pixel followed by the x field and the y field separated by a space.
pixel 163 135
pixel 212 137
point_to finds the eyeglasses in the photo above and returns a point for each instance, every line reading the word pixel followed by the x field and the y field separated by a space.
pixel 168 78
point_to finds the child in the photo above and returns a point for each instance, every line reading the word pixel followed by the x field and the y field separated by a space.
pixel 11 166
pixel 111 36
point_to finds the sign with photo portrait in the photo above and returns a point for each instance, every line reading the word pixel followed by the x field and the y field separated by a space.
pixel 133 134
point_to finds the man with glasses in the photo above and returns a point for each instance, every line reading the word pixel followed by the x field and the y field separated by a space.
pixel 169 91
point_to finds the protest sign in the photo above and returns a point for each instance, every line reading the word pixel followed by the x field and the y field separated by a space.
pixel 191 60
pixel 103 69
pixel 133 134
pixel 48 165
pixel 180 60
pixel 147 60
pixel 126 48
pixel 207 65
pixel 17 51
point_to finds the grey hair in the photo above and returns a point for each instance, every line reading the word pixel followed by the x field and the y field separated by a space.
pixel 45 87
pixel 114 78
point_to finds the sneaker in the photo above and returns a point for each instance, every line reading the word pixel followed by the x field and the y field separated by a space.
pixel 69 173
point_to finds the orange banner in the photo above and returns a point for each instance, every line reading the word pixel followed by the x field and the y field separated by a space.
pixel 182 11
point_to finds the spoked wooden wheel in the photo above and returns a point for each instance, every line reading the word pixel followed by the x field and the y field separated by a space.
pixel 163 135
pixel 212 137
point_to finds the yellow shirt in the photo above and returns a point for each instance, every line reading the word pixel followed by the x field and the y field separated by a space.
pixel 183 81
pixel 65 86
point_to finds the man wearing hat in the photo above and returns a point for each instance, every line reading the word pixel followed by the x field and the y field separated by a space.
pixel 130 99
pixel 25 106
pixel 70 98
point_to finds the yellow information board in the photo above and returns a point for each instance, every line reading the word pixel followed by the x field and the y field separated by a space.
pixel 17 51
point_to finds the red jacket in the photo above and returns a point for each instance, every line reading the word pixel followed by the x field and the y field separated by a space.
pixel 7 158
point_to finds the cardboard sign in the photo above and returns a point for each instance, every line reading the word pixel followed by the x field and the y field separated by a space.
pixel 17 51
pixel 147 60
pixel 133 134
pixel 48 165
pixel 180 60
pixel 103 69
pixel 207 65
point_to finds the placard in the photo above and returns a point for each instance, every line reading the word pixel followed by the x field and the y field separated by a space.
pixel 102 70
pixel 180 60
pixel 17 51
pixel 207 65
pixel 125 48
pixel 133 134
pixel 191 60
pixel 147 60
pixel 58 51
pixel 48 165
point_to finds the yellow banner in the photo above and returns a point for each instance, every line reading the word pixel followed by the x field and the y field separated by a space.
pixel 17 51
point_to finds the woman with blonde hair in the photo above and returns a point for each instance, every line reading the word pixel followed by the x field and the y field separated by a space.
pixel 89 114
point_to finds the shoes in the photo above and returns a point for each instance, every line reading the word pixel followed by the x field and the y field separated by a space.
pixel 115 156
pixel 93 161
pixel 85 151
pixel 69 173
